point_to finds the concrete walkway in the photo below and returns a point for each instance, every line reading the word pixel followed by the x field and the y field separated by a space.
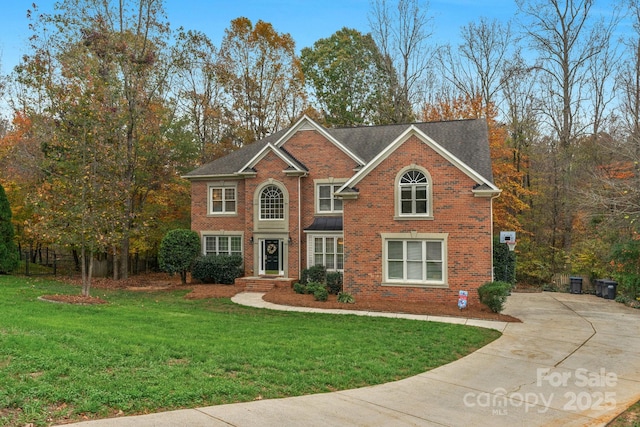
pixel 574 361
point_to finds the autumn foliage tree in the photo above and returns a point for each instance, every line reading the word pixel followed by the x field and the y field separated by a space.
pixel 20 157
pixel 96 88
pixel 260 71
pixel 506 176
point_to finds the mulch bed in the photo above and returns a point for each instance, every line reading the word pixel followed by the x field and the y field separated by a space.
pixel 285 296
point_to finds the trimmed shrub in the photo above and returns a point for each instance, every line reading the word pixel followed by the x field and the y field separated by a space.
pixel 494 295
pixel 334 282
pixel 317 273
pixel 223 269
pixel 178 250
pixel 312 287
pixel 504 262
pixel 299 288
pixel 321 293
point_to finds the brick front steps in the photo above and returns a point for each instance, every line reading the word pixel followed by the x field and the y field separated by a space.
pixel 263 283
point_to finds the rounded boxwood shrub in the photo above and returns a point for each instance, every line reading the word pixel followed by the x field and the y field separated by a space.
pixel 494 295
pixel 312 287
pixel 223 269
pixel 317 273
pixel 178 249
pixel 299 288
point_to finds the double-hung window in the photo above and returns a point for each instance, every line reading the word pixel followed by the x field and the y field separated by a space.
pixel 326 201
pixel 223 245
pixel 415 261
pixel 222 200
pixel 414 188
pixel 327 251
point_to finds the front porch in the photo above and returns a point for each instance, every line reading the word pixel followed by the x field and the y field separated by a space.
pixel 263 283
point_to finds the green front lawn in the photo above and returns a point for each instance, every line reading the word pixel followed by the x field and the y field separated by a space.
pixel 149 352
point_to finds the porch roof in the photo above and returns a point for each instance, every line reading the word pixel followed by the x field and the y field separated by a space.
pixel 326 223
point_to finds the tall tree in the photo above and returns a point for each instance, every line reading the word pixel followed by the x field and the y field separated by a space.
pixel 402 32
pixel 261 72
pixel 512 201
pixel 479 66
pixel 347 77
pixel 99 71
pixel 566 35
pixel 614 195
pixel 202 99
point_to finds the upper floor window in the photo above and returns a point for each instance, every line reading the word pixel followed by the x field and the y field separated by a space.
pixel 271 203
pixel 327 202
pixel 222 200
pixel 414 194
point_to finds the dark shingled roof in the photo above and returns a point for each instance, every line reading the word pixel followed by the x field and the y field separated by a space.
pixel 465 139
pixel 326 223
pixel 230 163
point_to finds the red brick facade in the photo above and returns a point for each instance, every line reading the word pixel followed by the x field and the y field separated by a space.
pixel 457 213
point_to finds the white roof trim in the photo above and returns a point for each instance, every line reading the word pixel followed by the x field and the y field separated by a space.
pixel 260 155
pixel 412 130
pixel 305 123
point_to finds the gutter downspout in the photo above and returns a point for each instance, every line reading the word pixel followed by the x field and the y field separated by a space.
pixel 300 223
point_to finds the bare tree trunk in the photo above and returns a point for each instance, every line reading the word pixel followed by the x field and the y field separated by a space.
pixel 115 262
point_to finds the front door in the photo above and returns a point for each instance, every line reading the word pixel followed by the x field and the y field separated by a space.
pixel 271 256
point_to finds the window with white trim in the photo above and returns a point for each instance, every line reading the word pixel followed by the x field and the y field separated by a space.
pixel 414 193
pixel 222 200
pixel 223 245
pixel 271 203
pixel 327 251
pixel 415 261
pixel 327 202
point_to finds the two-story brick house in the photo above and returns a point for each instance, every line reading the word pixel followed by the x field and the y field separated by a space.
pixel 404 211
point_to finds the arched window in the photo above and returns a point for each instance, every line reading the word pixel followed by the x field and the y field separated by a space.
pixel 414 194
pixel 271 203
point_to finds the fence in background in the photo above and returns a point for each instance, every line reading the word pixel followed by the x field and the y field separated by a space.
pixel 48 262
pixel 564 280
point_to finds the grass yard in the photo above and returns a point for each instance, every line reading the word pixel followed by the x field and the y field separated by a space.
pixel 151 352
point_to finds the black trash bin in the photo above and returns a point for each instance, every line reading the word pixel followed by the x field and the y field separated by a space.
pixel 599 287
pixel 576 285
pixel 612 290
pixel 605 288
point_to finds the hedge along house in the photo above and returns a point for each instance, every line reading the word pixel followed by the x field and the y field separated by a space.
pixel 404 211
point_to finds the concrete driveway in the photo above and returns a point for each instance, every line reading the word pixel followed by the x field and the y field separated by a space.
pixel 574 361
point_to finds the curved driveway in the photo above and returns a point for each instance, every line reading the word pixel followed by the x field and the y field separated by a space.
pixel 573 361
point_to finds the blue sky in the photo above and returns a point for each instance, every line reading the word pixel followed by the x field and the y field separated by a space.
pixel 306 20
